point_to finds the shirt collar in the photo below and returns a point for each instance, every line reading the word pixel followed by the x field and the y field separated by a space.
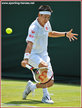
pixel 38 23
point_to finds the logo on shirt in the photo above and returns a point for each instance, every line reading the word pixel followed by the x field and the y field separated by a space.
pixel 31 36
pixel 46 28
pixel 33 31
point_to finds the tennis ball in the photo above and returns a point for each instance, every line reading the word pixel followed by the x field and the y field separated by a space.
pixel 9 30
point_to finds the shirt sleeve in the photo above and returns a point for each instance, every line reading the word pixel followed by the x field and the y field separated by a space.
pixel 31 34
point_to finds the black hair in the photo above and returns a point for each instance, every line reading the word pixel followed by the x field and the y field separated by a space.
pixel 45 8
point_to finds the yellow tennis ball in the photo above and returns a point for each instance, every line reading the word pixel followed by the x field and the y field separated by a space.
pixel 9 30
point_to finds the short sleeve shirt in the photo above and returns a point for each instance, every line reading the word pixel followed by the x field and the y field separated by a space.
pixel 38 35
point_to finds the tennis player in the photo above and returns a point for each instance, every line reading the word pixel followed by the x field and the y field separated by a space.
pixel 36 50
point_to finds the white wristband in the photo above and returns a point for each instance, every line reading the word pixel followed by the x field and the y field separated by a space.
pixel 26 55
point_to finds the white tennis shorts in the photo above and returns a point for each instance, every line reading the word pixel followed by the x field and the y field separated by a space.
pixel 36 59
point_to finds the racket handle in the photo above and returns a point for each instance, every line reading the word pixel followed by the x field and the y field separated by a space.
pixel 27 66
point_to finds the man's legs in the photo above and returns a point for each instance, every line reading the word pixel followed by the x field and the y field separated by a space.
pixel 31 87
pixel 49 84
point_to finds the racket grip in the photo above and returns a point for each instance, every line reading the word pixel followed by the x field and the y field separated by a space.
pixel 27 66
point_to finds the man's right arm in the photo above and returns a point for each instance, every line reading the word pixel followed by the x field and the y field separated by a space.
pixel 27 54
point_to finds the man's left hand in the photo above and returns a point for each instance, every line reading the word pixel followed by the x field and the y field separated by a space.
pixel 71 35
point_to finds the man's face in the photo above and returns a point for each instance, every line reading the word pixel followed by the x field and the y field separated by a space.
pixel 44 18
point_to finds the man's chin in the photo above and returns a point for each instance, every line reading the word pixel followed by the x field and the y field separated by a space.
pixel 45 22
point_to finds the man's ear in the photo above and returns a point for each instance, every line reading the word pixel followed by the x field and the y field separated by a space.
pixel 39 15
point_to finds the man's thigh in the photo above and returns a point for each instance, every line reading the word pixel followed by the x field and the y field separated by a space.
pixel 36 60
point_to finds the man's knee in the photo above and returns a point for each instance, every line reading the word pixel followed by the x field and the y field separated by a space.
pixel 43 64
pixel 50 83
pixel 46 85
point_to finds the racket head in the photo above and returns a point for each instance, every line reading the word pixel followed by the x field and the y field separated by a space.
pixel 40 75
pixel 35 73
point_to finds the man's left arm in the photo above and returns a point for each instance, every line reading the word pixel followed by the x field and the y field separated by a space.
pixel 69 34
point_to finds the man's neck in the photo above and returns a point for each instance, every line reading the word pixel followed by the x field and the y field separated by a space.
pixel 40 22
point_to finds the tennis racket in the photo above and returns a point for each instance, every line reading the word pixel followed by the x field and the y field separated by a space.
pixel 39 74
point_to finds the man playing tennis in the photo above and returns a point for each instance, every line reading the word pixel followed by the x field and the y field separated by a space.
pixel 36 50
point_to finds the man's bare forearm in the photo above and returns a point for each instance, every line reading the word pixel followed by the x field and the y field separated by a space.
pixel 29 47
pixel 56 34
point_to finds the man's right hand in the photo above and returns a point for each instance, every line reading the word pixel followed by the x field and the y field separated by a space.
pixel 24 62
